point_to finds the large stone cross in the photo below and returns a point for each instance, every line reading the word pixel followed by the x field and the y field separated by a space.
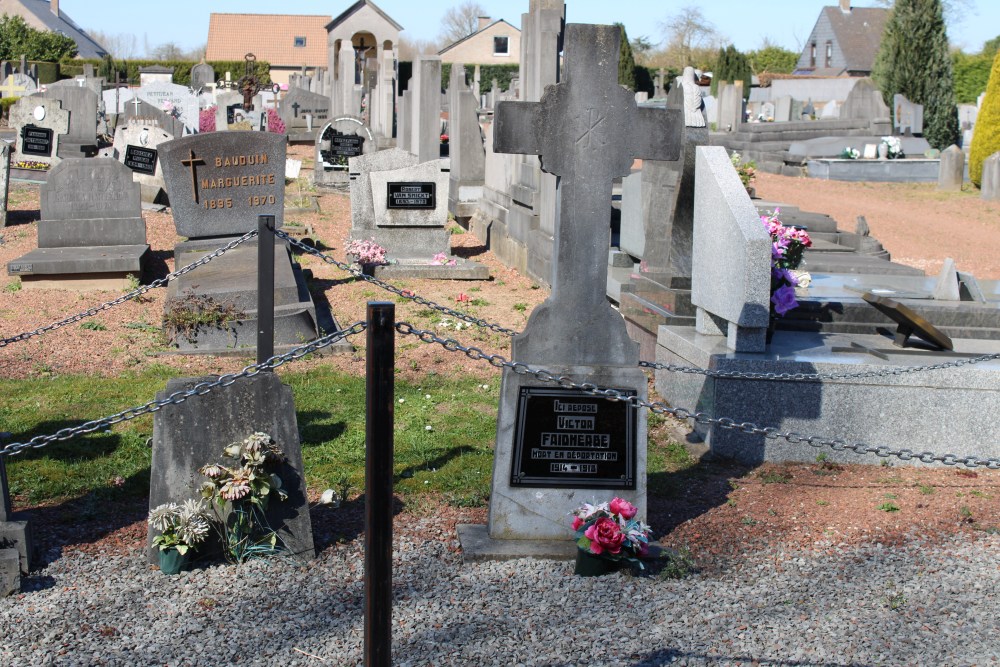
pixel 587 131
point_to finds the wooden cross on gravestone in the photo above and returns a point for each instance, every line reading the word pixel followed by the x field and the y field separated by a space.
pixel 587 131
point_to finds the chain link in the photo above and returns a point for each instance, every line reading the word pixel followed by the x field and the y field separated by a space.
pixel 815 377
pixel 702 418
pixel 199 389
pixel 159 282
pixel 406 294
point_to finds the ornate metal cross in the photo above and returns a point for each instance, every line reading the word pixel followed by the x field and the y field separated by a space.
pixel 587 131
pixel 249 84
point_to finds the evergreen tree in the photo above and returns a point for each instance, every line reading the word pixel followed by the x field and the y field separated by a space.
pixel 731 66
pixel 626 61
pixel 913 60
pixel 986 138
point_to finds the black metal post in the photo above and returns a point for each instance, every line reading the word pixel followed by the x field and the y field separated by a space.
pixel 265 287
pixel 378 483
pixel 6 510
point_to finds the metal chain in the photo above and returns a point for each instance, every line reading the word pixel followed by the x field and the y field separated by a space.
pixel 813 377
pixel 748 428
pixel 199 389
pixel 406 294
pixel 159 282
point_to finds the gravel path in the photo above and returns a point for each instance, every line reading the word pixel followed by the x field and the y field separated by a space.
pixel 921 604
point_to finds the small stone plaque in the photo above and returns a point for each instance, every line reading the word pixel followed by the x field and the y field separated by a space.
pixel 36 140
pixel 568 438
pixel 19 268
pixel 347 145
pixel 412 195
pixel 141 160
pixel 910 323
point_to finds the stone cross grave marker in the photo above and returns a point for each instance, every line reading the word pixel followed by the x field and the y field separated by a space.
pixel 587 131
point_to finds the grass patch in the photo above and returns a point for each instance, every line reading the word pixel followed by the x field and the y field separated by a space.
pixel 774 477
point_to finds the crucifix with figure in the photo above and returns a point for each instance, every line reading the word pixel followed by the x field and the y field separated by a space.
pixel 249 84
pixel 587 131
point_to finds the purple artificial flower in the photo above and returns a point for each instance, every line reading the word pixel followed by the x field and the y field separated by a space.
pixel 784 299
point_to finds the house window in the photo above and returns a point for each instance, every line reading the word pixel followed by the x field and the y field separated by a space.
pixel 501 46
pixel 812 55
pixel 829 54
pixel 300 42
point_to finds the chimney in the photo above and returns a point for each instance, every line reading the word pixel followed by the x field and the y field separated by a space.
pixel 484 21
pixel 845 6
pixel 54 5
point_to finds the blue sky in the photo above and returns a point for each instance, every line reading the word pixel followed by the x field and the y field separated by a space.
pixel 746 23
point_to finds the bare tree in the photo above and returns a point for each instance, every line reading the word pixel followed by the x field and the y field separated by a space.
pixel 461 21
pixel 688 33
pixel 121 46
pixel 411 48
pixel 167 51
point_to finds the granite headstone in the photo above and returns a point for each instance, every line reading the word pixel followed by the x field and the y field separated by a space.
pixel 40 124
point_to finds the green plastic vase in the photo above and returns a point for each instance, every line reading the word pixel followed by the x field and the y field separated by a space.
pixel 589 565
pixel 173 561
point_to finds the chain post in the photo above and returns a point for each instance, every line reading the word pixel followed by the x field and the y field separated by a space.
pixel 265 287
pixel 6 510
pixel 378 483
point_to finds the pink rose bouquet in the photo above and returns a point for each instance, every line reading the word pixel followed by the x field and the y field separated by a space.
pixel 787 246
pixel 611 531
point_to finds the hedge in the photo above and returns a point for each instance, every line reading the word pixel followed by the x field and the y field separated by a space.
pixel 502 73
pixel 129 69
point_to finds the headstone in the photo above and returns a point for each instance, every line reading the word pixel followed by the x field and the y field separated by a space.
pixel 660 79
pixel 951 172
pixel 731 260
pixel 303 113
pixel 91 234
pixel 991 178
pixel 40 124
pixel 174 100
pixel 17 85
pixel 767 111
pixel 218 184
pixel 336 142
pixel 136 145
pixel 228 110
pixel 202 77
pixel 116 100
pixel 403 206
pixel 81 103
pixel 830 110
pixel 587 131
pixel 864 102
pixel 711 110
pixel 192 434
pixel 140 110
pixel 4 180
pixel 425 140
pixel 466 150
pixel 908 117
pixel 783 109
pixel 730 106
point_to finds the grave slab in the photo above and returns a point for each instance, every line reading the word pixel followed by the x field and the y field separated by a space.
pixel 192 434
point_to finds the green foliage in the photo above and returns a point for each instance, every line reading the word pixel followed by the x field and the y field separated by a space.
pixel 731 65
pixel 990 47
pixel 774 59
pixel 913 60
pixel 5 104
pixel 986 138
pixel 502 73
pixel 626 61
pixel 971 74
pixel 17 38
pixel 129 69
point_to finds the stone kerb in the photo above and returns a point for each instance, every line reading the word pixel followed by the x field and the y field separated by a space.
pixel 731 256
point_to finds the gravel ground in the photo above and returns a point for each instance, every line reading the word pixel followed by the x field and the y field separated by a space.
pixel 921 604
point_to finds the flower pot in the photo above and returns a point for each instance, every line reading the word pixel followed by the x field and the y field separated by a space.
pixel 173 561
pixel 883 151
pixel 589 565
pixel 368 269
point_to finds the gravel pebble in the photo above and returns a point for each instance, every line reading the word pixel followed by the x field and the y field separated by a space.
pixel 920 604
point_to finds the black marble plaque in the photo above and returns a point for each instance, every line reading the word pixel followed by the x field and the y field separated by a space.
pixel 140 160
pixel 36 140
pixel 568 438
pixel 412 195
pixel 348 145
